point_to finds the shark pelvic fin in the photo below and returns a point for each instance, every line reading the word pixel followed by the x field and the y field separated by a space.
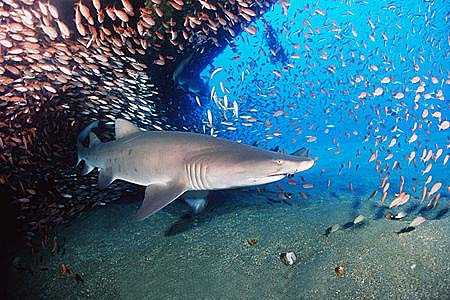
pixel 105 178
pixel 158 196
pixel 197 200
pixel 124 128
pixel 197 204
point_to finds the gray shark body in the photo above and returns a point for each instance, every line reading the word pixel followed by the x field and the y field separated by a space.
pixel 170 163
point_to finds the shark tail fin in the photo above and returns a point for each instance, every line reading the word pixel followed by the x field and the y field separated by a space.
pixel 82 136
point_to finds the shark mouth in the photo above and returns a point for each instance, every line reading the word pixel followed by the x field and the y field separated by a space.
pixel 279 174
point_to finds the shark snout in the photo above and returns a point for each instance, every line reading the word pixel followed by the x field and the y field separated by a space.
pixel 300 165
pixel 292 167
pixel 305 165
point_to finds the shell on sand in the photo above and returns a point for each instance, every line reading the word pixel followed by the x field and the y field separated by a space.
pixel 359 219
pixel 400 215
pixel 288 258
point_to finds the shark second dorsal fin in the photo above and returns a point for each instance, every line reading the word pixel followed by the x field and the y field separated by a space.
pixel 124 128
pixel 93 139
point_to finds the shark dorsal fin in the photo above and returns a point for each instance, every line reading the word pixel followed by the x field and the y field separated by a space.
pixel 301 152
pixel 124 128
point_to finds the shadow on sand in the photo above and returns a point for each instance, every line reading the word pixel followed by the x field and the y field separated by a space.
pixel 214 209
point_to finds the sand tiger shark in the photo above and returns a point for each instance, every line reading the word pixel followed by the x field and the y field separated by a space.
pixel 170 163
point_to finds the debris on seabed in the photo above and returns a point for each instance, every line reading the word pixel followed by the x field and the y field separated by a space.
pixel 252 242
pixel 340 271
pixel 288 258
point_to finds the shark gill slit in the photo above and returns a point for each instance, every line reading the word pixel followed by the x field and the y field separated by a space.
pixel 191 174
pixel 204 167
pixel 198 175
pixel 187 168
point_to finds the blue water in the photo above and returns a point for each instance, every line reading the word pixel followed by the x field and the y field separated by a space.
pixel 335 51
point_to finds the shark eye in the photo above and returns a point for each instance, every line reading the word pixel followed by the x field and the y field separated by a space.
pixel 278 161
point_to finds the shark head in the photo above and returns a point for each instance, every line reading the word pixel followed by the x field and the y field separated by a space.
pixel 255 167
pixel 275 166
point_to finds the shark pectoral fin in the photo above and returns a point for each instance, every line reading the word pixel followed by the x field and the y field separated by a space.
pixel 158 196
pixel 105 178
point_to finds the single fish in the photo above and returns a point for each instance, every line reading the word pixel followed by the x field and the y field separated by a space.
pixel 417 221
pixel 435 188
pixel 332 229
pixel 401 199
pixel 405 230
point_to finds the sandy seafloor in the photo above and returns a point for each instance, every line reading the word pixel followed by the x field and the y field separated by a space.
pixel 170 256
